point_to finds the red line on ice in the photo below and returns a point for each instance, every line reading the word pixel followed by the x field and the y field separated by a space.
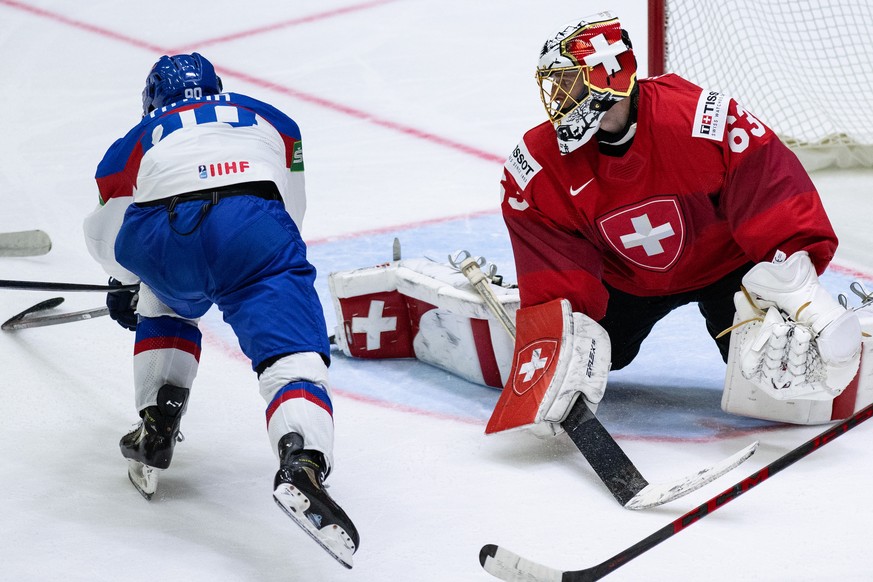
pixel 285 24
pixel 269 85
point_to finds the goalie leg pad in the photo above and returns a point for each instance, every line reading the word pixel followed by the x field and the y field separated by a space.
pixel 422 309
pixel 559 355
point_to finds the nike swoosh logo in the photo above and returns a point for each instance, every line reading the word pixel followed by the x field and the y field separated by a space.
pixel 575 191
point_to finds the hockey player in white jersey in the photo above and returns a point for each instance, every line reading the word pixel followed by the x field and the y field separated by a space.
pixel 201 203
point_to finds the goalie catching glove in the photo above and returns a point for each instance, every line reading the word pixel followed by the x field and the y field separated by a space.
pixel 559 356
pixel 806 346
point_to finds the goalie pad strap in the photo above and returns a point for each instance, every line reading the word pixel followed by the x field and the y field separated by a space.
pixel 485 352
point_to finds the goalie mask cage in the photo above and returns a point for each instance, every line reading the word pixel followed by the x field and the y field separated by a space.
pixel 803 67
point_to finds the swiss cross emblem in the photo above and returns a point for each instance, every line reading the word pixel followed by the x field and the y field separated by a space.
pixel 706 119
pixel 374 324
pixel 605 53
pixel 650 234
pixel 377 325
pixel 533 363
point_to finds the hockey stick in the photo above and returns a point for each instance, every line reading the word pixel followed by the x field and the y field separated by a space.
pixel 41 306
pixel 599 448
pixel 26 319
pixel 509 566
pixel 48 286
pixel 25 243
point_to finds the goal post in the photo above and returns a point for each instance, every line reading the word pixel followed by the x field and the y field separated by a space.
pixel 804 67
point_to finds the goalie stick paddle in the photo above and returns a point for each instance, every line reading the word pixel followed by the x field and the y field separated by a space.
pixel 26 243
pixel 619 473
pixel 599 448
pixel 509 566
pixel 49 286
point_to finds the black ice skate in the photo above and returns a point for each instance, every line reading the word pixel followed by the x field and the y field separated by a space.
pixel 148 448
pixel 299 491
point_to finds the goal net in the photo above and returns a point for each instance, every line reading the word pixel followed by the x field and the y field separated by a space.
pixel 804 67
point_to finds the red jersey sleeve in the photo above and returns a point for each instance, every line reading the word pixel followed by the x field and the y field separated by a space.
pixel 769 200
pixel 552 260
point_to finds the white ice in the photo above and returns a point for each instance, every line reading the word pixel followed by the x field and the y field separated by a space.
pixel 408 108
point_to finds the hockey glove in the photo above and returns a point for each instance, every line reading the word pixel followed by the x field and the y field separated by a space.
pixel 122 305
pixel 808 345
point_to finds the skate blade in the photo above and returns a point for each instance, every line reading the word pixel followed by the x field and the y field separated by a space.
pixel 143 477
pixel 332 538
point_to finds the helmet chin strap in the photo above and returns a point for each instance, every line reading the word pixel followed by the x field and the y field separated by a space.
pixel 607 138
pixel 616 143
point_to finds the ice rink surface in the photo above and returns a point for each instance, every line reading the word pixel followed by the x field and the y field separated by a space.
pixel 408 109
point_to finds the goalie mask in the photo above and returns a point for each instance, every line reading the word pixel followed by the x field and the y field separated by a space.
pixel 585 68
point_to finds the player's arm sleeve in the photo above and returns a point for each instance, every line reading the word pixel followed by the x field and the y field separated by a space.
pixel 552 261
pixel 115 178
pixel 769 199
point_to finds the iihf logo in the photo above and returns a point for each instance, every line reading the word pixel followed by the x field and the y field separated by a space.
pixel 222 168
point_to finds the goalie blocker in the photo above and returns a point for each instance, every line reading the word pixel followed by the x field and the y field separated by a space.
pixel 559 356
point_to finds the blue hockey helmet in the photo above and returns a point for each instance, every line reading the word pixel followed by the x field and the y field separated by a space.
pixel 179 77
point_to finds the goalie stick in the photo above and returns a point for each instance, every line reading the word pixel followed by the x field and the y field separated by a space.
pixel 599 448
pixel 507 565
pixel 25 243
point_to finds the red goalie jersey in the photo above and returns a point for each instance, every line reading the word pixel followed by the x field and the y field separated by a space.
pixel 704 188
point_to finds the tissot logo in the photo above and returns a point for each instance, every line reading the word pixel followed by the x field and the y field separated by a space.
pixel 710 117
pixel 522 166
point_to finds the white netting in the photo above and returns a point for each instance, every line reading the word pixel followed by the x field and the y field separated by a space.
pixel 804 67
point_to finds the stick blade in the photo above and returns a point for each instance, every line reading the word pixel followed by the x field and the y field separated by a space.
pixel 656 494
pixel 509 566
pixel 25 243
pixel 9 324
pixel 30 321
